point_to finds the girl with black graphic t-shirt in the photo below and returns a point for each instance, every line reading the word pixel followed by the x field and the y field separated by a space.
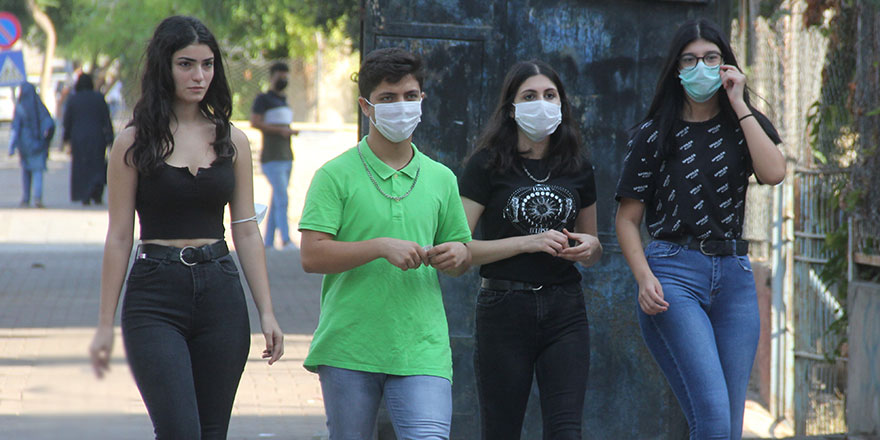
pixel 530 184
pixel 687 169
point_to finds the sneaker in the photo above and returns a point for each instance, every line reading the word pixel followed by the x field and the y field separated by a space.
pixel 289 246
pixel 24 205
pixel 39 204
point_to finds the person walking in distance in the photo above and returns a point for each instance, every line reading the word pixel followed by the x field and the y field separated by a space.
pixel 32 130
pixel 272 116
pixel 89 131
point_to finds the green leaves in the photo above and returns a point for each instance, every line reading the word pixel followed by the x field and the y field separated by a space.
pixel 120 29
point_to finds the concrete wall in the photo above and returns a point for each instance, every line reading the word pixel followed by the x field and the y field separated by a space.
pixel 609 55
pixel 863 386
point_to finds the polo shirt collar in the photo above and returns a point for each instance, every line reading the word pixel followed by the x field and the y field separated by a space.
pixel 382 169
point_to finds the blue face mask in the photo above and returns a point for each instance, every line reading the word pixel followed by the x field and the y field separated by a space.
pixel 701 82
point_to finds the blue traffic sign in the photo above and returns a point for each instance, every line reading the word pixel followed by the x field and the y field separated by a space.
pixel 12 71
pixel 10 30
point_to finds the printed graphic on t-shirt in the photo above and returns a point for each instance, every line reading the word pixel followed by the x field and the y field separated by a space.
pixel 540 208
pixel 698 189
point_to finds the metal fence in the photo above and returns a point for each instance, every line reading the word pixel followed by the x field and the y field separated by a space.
pixel 820 376
pixel 784 63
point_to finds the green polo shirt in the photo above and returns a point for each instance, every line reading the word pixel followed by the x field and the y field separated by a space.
pixel 376 317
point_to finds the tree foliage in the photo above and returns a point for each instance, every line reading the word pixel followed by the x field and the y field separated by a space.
pixel 119 29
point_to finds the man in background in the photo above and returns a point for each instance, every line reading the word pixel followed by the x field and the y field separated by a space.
pixel 272 116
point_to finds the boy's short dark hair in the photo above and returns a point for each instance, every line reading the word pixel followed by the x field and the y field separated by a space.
pixel 278 66
pixel 389 64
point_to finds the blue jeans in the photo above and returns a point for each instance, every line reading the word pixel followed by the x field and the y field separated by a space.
pixel 705 342
pixel 35 177
pixel 186 336
pixel 420 407
pixel 278 174
pixel 523 334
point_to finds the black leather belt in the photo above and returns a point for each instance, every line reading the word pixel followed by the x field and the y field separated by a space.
pixel 189 255
pixel 493 284
pixel 713 247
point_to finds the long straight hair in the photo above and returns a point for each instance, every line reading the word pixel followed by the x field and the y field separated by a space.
pixel 501 139
pixel 669 96
pixel 153 140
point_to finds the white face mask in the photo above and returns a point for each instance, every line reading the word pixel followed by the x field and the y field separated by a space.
pixel 397 120
pixel 538 119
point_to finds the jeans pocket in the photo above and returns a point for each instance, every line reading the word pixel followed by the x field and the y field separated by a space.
pixel 744 262
pixel 488 297
pixel 227 265
pixel 662 249
pixel 143 268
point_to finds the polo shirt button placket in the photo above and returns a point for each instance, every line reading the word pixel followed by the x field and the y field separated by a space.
pixel 397 207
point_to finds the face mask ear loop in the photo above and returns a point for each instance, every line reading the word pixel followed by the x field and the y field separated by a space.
pixel 373 119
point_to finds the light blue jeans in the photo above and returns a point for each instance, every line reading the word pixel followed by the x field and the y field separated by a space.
pixel 35 177
pixel 705 342
pixel 420 407
pixel 278 174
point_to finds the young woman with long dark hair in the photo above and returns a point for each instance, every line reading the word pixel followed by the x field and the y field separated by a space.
pixel 686 170
pixel 178 163
pixel 532 187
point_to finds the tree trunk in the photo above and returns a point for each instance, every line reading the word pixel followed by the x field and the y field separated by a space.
pixel 45 23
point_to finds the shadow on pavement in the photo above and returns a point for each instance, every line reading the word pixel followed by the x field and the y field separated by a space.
pixel 138 427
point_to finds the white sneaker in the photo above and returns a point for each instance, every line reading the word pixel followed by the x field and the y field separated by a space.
pixel 289 246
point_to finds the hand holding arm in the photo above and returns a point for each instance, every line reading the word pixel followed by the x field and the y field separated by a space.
pixel 452 258
pixel 589 249
pixel 490 251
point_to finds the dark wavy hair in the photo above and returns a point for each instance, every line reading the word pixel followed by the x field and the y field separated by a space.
pixel 388 64
pixel 153 140
pixel 669 96
pixel 500 138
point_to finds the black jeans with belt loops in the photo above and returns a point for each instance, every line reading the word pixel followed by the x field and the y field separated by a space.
pixel 187 336
pixel 524 333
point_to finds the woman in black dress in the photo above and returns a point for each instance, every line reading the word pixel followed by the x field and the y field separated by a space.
pixel 88 129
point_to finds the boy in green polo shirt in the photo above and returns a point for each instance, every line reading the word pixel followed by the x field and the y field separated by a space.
pixel 380 220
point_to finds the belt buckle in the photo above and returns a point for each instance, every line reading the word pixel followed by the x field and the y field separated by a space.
pixel 703 241
pixel 183 260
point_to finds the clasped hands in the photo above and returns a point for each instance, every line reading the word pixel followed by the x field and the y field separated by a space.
pixel 556 244
pixel 411 255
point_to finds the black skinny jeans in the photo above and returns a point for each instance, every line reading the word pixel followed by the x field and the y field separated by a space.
pixel 521 333
pixel 187 338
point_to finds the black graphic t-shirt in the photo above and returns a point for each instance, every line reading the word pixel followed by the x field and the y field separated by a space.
pixel 699 190
pixel 516 205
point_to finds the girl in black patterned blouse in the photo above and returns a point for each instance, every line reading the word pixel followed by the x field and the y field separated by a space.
pixel 687 169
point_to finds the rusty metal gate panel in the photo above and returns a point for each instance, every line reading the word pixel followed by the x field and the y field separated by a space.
pixel 609 55
pixel 820 378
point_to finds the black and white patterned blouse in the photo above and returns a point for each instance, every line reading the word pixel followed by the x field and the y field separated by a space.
pixel 699 190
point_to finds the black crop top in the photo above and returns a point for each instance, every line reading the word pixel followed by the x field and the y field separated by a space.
pixel 173 203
